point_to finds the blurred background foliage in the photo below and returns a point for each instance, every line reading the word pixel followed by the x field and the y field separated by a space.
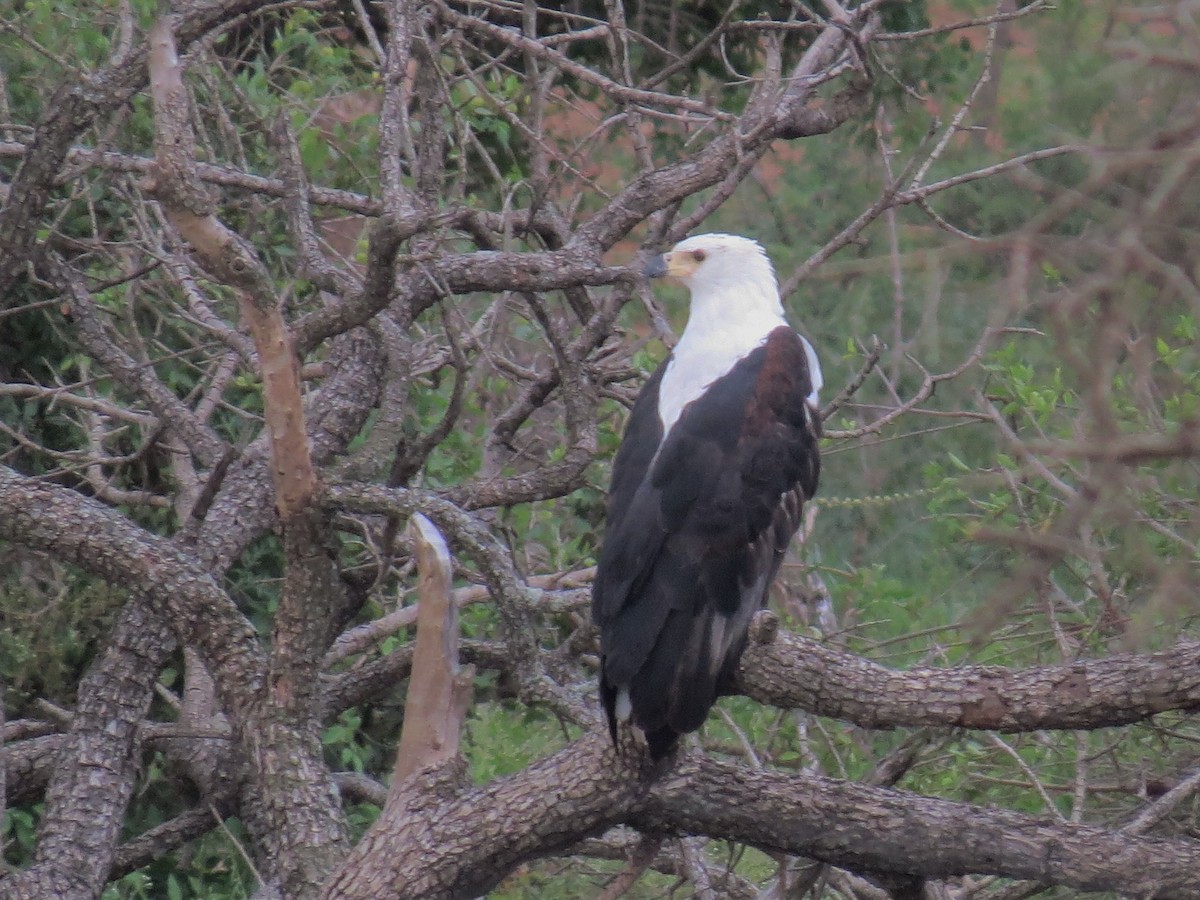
pixel 914 535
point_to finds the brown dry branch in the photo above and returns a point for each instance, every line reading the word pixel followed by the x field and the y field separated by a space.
pixel 104 344
pixel 566 591
pixel 439 692
pixel 1005 16
pixel 518 41
pixel 799 673
pixel 82 158
pixel 235 263
pixel 929 383
pixel 296 801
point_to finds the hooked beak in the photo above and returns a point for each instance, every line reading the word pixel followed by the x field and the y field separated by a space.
pixel 657 267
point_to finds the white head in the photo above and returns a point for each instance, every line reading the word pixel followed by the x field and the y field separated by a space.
pixel 730 279
pixel 712 262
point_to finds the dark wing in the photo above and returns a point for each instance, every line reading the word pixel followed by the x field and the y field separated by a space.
pixel 697 530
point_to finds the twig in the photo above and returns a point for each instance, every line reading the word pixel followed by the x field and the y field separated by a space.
pixel 1034 781
pixel 917 34
pixel 1164 805
pixel 641 856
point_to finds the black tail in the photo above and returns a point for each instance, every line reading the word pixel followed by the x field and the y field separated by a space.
pixel 661 741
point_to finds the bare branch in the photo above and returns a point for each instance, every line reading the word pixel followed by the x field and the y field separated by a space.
pixel 438 691
pixel 795 672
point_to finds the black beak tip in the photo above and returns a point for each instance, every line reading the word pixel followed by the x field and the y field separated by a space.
pixel 656 267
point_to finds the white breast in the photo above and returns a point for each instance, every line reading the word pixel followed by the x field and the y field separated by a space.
pixel 698 363
pixel 692 369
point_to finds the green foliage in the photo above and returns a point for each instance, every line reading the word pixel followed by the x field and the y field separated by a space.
pixel 254 581
pixel 342 739
pixel 504 738
pixel 52 619
pixel 214 868
pixel 19 832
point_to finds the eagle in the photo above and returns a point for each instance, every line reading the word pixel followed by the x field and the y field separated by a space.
pixel 708 487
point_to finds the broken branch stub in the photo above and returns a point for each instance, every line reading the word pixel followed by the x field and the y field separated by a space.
pixel 439 690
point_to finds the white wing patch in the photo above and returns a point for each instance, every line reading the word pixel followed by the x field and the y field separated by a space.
pixel 814 371
pixel 726 630
pixel 623 708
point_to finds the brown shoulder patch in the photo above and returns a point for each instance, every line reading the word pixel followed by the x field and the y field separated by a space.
pixel 782 380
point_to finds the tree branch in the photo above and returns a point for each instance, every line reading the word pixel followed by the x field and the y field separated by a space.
pixel 479 835
pixel 796 672
pixel 438 692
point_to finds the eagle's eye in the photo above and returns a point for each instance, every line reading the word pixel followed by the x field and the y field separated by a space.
pixel 699 255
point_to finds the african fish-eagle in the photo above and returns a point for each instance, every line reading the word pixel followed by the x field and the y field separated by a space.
pixel 708 487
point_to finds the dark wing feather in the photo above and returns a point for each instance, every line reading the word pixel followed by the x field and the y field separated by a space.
pixel 626 550
pixel 697 530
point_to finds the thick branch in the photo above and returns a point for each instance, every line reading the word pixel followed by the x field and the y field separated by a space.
pixel 107 544
pixel 98 764
pixel 156 842
pixel 234 261
pixel 428 279
pixel 860 827
pixel 479 835
pixel 796 672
